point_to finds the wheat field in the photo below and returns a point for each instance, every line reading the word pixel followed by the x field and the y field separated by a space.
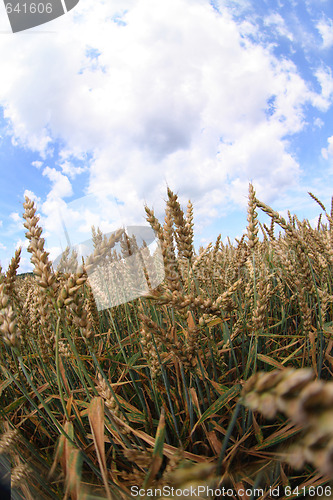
pixel 219 378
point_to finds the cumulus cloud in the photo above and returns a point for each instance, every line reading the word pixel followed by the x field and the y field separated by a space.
pixel 22 244
pixel 15 217
pixel 277 22
pixel 31 195
pixel 61 186
pixel 17 221
pixel 71 170
pixel 324 100
pixel 37 164
pixel 318 123
pixel 325 28
pixel 174 94
pixel 327 153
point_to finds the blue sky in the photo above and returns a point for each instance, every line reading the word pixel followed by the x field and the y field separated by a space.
pixel 129 96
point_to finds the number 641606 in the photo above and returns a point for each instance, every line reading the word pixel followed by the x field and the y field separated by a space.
pixel 31 8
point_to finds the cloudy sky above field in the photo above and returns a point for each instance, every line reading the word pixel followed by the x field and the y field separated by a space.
pixel 131 96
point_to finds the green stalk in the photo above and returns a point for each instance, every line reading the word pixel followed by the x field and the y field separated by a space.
pixel 45 406
pixel 227 437
pixel 58 370
pixel 81 367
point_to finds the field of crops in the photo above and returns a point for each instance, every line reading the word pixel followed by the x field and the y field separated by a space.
pixel 217 380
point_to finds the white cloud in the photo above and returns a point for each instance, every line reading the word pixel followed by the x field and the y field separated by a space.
pixel 37 164
pixel 22 244
pixel 177 96
pixel 2 247
pixel 71 170
pixel 325 28
pixel 1 223
pixel 276 21
pixel 15 217
pixel 17 224
pixel 25 265
pixel 61 186
pixel 318 123
pixel 324 100
pixel 314 222
pixel 328 152
pixel 31 195
pixel 54 252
